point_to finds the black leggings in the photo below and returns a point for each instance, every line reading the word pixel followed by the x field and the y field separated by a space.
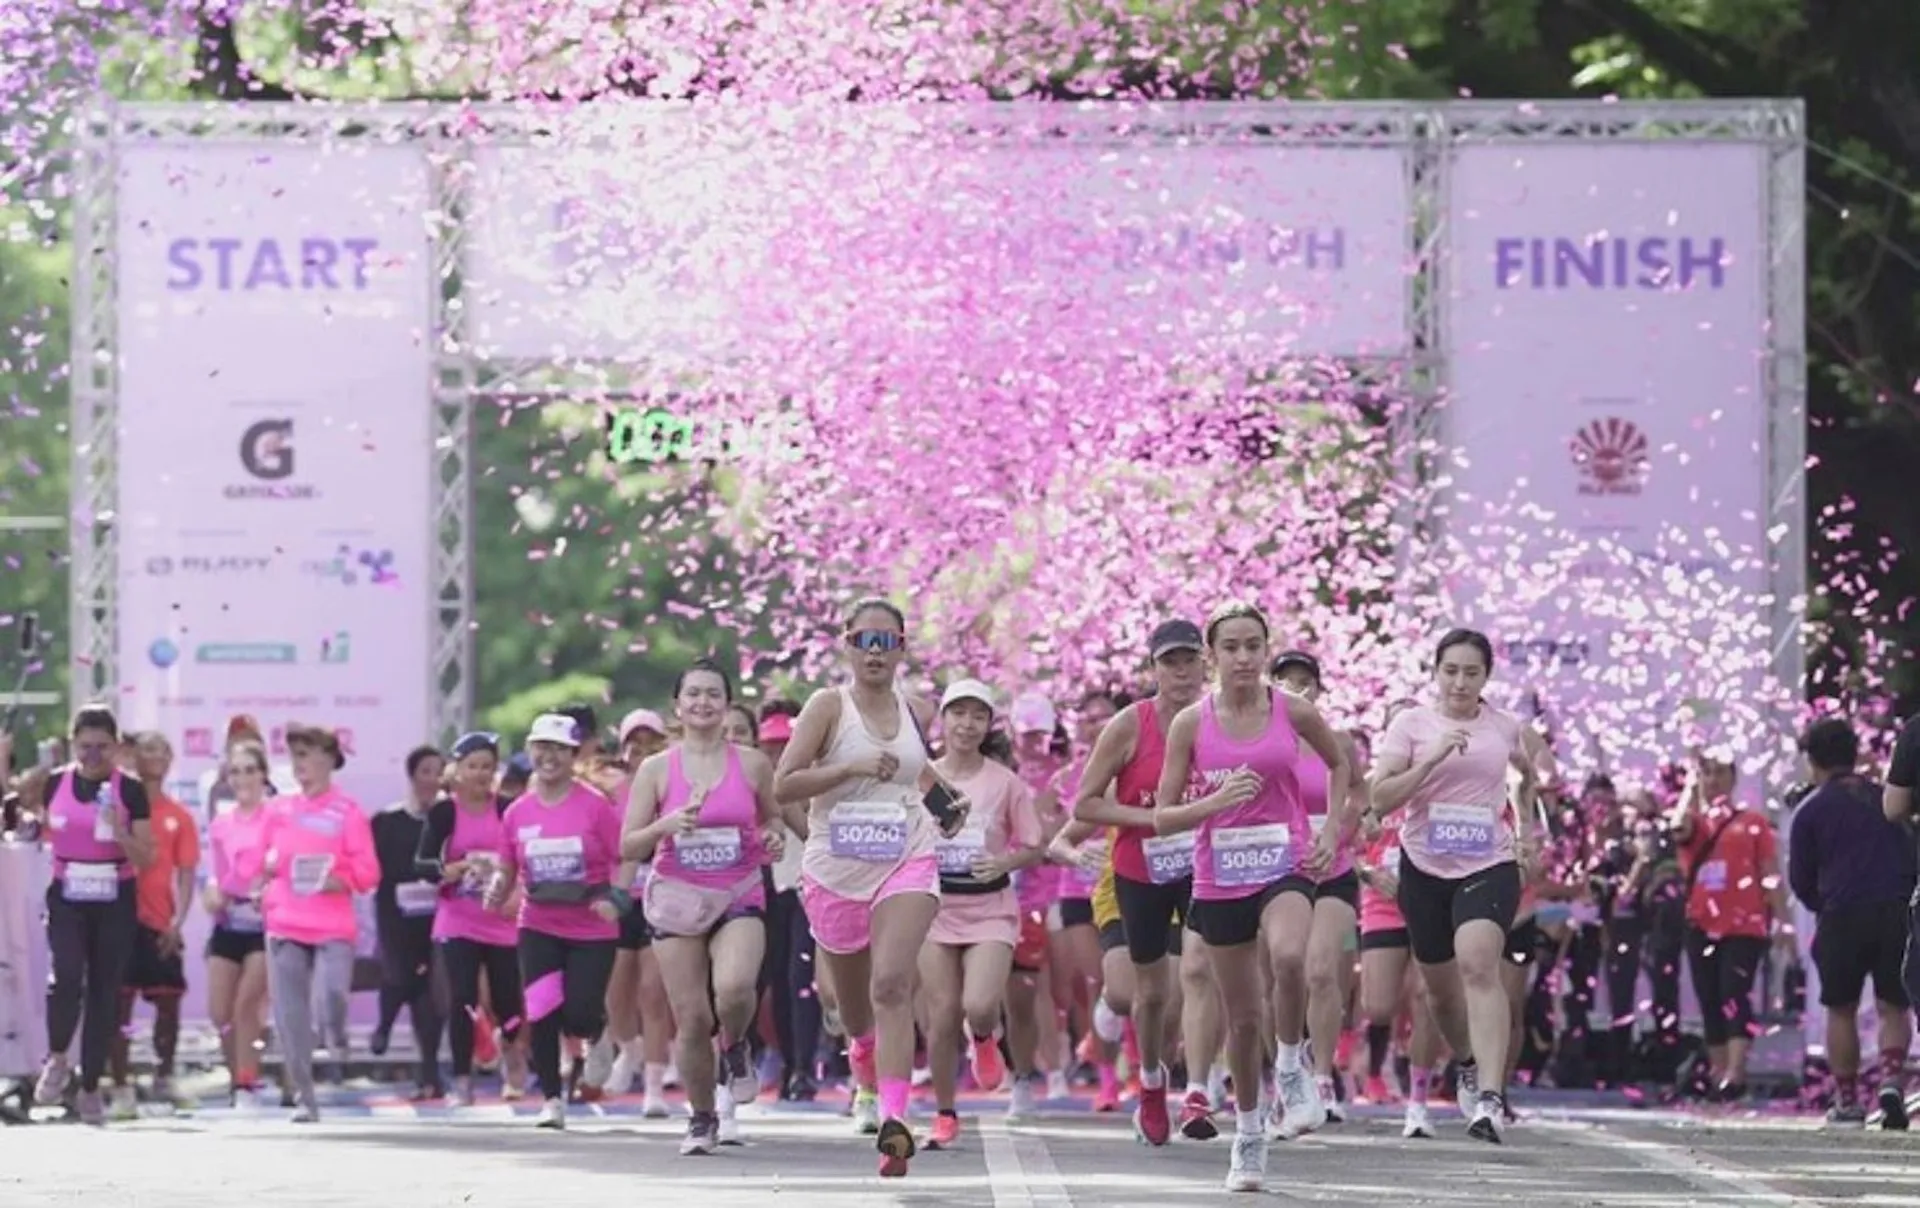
pixel 91 943
pixel 407 980
pixel 585 968
pixel 789 979
pixel 1723 972
pixel 1634 945
pixel 463 960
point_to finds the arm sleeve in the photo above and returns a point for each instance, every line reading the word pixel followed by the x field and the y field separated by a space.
pixel 429 859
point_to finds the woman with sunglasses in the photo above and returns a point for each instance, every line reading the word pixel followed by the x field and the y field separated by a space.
pixel 237 949
pixel 464 842
pixel 319 854
pixel 870 875
pixel 97 820
pixel 703 814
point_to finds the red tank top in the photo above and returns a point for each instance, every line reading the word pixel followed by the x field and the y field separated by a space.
pixel 1136 786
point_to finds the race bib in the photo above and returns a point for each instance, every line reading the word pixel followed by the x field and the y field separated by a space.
pixel 958 853
pixel 708 849
pixel 1252 856
pixel 479 873
pixel 91 882
pixel 417 899
pixel 874 832
pixel 556 861
pixel 640 876
pixel 1169 857
pixel 1460 830
pixel 1713 876
pixel 103 824
pixel 319 824
pixel 309 873
pixel 243 916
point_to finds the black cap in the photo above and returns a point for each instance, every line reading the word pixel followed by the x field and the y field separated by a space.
pixel 1296 658
pixel 1170 636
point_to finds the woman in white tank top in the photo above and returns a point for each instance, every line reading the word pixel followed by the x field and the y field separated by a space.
pixel 870 877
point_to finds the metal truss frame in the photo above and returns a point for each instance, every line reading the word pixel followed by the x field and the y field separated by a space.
pixel 1779 126
pixel 1427 133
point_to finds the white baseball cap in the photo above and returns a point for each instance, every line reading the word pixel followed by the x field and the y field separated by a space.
pixel 554 727
pixel 967 689
pixel 1034 714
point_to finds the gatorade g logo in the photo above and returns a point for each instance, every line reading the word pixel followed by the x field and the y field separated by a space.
pixel 266 450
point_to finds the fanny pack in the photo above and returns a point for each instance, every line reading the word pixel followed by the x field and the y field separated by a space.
pixel 565 893
pixel 967 885
pixel 675 907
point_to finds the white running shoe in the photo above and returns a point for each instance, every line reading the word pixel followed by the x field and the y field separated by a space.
pixel 621 1074
pixel 553 1115
pixel 125 1104
pixel 702 1135
pixel 1021 1101
pixel 1466 1091
pixel 600 1062
pixel 672 1080
pixel 866 1113
pixel 1304 1113
pixel 1330 1099
pixel 1418 1126
pixel 729 1114
pixel 1058 1087
pixel 654 1105
pixel 55 1076
pixel 1486 1124
pixel 1247 1168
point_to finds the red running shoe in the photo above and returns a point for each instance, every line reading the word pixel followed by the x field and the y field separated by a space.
pixel 1150 1118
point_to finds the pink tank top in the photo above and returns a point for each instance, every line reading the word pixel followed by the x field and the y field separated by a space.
pixel 1378 912
pixel 480 838
pixel 1312 774
pixel 725 849
pixel 1241 851
pixel 83 830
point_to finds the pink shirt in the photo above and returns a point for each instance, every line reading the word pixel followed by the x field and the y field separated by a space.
pixel 1239 852
pixel 725 850
pixel 1039 887
pixel 480 838
pixel 1457 822
pixel 576 841
pixel 238 842
pixel 1378 912
pixel 1312 774
pixel 81 832
pixel 308 839
pixel 1002 817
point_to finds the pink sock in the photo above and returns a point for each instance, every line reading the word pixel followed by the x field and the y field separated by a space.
pixel 893 1098
pixel 860 1055
pixel 1419 1077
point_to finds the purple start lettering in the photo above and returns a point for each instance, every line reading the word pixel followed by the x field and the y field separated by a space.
pixel 1599 263
pixel 227 264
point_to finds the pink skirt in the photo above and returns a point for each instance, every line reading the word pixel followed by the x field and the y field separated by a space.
pixel 966 919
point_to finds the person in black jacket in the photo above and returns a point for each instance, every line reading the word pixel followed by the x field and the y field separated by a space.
pixel 404 907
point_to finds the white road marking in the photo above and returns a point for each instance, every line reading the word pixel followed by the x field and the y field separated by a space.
pixel 1020 1171
pixel 1713 1178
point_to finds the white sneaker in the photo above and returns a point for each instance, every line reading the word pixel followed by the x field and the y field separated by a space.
pixel 1021 1102
pixel 599 1062
pixel 1058 1087
pixel 125 1105
pixel 866 1113
pixel 1418 1125
pixel 1217 1088
pixel 51 1088
pixel 621 1074
pixel 922 1077
pixel 553 1114
pixel 1486 1124
pixel 728 1112
pixel 1247 1168
pixel 1466 1092
pixel 654 1105
pixel 702 1136
pixel 1304 1112
pixel 672 1080
pixel 1330 1099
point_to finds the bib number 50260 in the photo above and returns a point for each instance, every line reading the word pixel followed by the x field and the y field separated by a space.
pixel 873 832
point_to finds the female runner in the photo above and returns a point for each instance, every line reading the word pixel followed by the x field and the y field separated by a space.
pixel 98 819
pixel 237 949
pixel 703 814
pixel 1336 909
pixel 969 953
pixel 1460 854
pixel 319 854
pixel 464 842
pixel 563 853
pixel 1254 865
pixel 870 873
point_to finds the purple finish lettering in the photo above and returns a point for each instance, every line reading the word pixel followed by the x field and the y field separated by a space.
pixel 1598 263
pixel 252 265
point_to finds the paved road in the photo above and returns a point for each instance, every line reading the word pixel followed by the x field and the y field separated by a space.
pixel 487 1156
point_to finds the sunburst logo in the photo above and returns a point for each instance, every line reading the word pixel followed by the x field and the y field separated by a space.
pixel 1610 456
